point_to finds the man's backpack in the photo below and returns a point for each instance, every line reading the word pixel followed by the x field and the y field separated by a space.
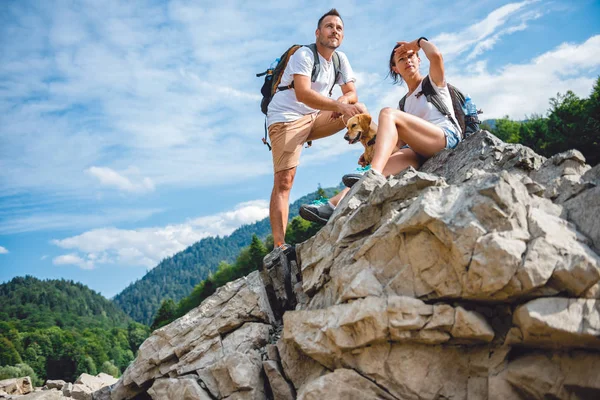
pixel 273 78
pixel 467 124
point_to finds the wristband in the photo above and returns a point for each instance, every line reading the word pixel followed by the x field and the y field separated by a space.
pixel 419 40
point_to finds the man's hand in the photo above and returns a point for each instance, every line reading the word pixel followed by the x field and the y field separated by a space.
pixel 350 110
pixel 336 114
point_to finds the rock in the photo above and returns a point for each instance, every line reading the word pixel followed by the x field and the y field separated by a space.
pixel 325 335
pixel 196 341
pixel 83 391
pixel 55 384
pixel 102 394
pixel 67 389
pixel 91 382
pixel 281 389
pixel 51 394
pixel 477 277
pixel 583 209
pixel 250 336
pixel 561 175
pixel 106 379
pixel 233 374
pixel 537 375
pixel 342 384
pixel 282 283
pixel 482 151
pixel 180 389
pixel 558 322
pixel 16 386
pixel 297 366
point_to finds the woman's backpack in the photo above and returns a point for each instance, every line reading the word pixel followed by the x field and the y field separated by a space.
pixel 467 124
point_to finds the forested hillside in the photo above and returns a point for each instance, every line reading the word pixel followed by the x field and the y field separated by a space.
pixel 61 329
pixel 32 303
pixel 571 123
pixel 175 277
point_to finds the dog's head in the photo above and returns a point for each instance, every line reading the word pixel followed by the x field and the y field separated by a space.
pixel 358 128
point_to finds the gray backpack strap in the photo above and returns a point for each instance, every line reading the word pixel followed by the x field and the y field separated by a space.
pixel 336 70
pixel 434 98
pixel 401 103
pixel 317 64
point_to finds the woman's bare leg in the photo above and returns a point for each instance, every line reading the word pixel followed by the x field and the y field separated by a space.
pixel 401 160
pixel 394 125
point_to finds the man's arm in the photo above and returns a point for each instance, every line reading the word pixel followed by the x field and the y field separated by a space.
pixel 349 95
pixel 313 99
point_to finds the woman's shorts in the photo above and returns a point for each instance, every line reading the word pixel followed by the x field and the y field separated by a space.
pixel 452 138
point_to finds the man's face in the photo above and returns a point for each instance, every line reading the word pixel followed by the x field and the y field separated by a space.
pixel 331 32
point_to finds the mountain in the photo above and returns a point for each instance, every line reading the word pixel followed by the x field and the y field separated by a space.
pixel 176 276
pixel 30 303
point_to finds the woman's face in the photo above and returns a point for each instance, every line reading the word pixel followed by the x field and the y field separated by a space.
pixel 407 64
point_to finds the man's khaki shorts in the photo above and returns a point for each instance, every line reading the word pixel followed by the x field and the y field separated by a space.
pixel 287 138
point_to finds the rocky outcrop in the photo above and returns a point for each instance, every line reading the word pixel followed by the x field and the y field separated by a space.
pixel 86 387
pixel 15 386
pixel 476 277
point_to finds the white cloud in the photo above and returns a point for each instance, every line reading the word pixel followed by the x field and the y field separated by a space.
pixel 3 250
pixel 520 90
pixel 148 246
pixel 73 259
pixel 485 33
pixel 110 177
pixel 19 223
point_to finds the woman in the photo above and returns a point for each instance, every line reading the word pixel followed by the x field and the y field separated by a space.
pixel 405 138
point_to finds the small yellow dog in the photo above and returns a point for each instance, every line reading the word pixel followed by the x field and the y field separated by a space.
pixel 361 129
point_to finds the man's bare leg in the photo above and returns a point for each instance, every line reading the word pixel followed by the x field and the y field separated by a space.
pixel 279 206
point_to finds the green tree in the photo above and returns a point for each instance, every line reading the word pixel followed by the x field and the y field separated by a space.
pixel 165 314
pixel 109 368
pixel 8 353
pixel 507 130
pixel 19 371
pixel 321 192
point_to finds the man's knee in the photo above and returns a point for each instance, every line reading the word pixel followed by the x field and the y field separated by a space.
pixel 284 180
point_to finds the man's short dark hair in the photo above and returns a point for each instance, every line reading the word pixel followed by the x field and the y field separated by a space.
pixel 333 12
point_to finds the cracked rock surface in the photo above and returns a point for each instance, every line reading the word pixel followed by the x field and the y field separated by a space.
pixel 476 277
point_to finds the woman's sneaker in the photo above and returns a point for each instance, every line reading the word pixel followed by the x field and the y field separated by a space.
pixel 319 210
pixel 350 179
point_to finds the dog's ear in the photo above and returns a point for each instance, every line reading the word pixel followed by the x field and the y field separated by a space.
pixel 365 121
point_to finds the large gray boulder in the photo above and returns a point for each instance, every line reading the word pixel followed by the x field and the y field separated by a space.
pixel 476 277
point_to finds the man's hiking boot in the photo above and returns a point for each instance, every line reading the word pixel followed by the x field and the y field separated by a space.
pixel 319 211
pixel 350 179
pixel 277 253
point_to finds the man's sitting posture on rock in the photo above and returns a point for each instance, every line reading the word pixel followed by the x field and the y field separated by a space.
pixel 304 113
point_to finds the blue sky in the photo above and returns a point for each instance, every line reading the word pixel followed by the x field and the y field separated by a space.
pixel 131 129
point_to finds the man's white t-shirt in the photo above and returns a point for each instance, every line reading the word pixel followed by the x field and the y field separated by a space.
pixel 284 107
pixel 420 107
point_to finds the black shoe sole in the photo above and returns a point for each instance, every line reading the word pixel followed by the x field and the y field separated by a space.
pixel 311 216
pixel 349 182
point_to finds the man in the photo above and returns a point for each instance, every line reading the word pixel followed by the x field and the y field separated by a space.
pixel 304 113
